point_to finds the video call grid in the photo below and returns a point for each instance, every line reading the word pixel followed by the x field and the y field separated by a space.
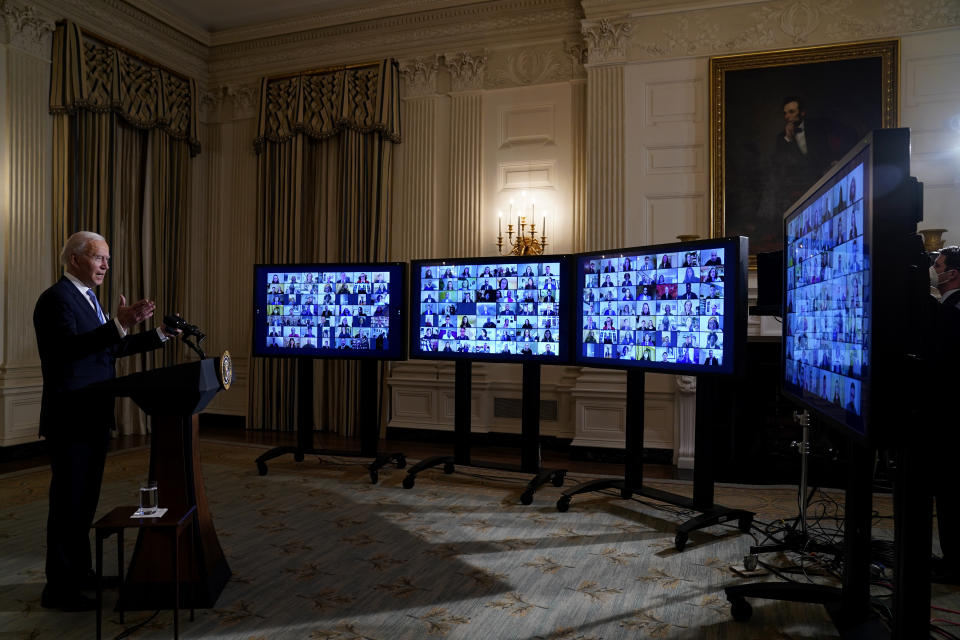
pixel 328 310
pixel 827 346
pixel 505 308
pixel 664 307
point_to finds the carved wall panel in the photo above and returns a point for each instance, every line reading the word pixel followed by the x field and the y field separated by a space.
pixel 671 215
pixel 535 124
pixel 669 101
pixel 527 175
pixel 674 159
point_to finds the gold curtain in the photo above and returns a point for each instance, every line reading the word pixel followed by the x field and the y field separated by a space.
pixel 325 145
pixel 124 131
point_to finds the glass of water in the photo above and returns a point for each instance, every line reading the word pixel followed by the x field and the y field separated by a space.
pixel 148 497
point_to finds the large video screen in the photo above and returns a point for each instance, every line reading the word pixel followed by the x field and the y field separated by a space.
pixel 827 296
pixel 501 309
pixel 679 307
pixel 330 310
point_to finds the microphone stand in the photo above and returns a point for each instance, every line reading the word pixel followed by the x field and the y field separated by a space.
pixel 195 345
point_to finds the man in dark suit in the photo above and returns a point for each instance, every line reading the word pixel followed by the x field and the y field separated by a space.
pixel 945 277
pixel 803 151
pixel 689 294
pixel 79 345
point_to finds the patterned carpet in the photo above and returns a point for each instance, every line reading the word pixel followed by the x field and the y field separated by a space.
pixel 319 553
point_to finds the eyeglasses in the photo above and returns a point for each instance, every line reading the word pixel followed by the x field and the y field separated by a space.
pixel 99 259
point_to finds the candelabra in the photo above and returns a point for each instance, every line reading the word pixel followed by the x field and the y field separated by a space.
pixel 521 241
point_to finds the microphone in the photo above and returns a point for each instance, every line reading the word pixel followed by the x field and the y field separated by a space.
pixel 188 329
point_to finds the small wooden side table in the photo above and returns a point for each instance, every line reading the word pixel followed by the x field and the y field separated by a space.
pixel 119 519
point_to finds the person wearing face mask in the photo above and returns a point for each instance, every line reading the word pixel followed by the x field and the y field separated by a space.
pixel 945 278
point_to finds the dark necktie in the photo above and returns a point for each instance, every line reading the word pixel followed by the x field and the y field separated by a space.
pixel 96 305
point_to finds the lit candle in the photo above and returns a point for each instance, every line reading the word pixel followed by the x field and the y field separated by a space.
pixel 499 223
pixel 533 214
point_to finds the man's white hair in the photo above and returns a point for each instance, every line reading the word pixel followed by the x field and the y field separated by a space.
pixel 77 244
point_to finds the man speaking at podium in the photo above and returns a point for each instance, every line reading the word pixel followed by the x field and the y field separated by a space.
pixel 79 344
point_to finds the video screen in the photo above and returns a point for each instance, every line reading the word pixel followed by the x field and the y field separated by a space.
pixel 504 309
pixel 670 307
pixel 330 310
pixel 827 297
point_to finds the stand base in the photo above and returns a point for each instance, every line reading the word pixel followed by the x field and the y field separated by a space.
pixel 709 516
pixel 380 461
pixel 798 542
pixel 143 595
pixel 863 626
pixel 543 476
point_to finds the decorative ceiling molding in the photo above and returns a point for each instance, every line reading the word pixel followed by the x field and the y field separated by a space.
pixel 132 28
pixel 482 17
pixel 210 105
pixel 524 66
pixel 420 35
pixel 420 76
pixel 245 100
pixel 385 9
pixel 26 28
pixel 596 9
pixel 737 27
pixel 577 52
pixel 607 41
pixel 466 70
pixel 184 26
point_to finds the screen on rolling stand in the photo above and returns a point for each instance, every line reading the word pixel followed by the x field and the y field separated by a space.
pixel 506 309
pixel 330 310
pixel 827 288
pixel 675 308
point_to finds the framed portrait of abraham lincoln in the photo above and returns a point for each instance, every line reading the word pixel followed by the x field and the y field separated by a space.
pixel 780 119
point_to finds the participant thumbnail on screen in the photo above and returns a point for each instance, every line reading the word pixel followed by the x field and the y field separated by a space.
pixel 664 307
pixel 510 308
pixel 827 346
pixel 315 311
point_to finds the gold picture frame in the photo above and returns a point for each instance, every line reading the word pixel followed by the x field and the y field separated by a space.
pixel 847 90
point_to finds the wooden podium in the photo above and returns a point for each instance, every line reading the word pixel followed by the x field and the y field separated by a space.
pixel 172 397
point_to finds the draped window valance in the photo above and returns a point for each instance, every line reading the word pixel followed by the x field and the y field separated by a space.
pixel 94 76
pixel 321 104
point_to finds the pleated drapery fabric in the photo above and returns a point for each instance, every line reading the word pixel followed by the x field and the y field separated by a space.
pixel 124 133
pixel 325 145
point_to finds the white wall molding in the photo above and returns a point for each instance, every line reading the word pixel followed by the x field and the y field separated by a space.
pixel 466 173
pixel 606 115
pixel 466 70
pixel 422 16
pixel 420 75
pixel 131 27
pixel 664 30
pixel 523 66
pixel 25 212
pixel 685 421
pixel 464 28
pixel 528 125
pixel 24 28
pixel 607 40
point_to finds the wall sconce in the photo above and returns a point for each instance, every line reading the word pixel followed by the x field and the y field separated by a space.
pixel 520 240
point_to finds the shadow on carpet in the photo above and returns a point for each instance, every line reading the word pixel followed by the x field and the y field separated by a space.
pixel 319 553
